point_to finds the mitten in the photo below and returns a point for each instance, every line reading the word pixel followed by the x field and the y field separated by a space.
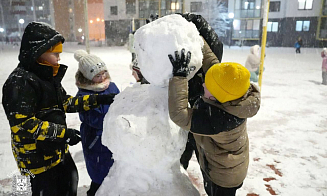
pixel 180 64
pixel 188 16
pixel 106 99
pixel 72 137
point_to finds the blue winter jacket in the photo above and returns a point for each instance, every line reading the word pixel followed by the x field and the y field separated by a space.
pixel 98 157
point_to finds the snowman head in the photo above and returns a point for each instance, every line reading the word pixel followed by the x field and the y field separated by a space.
pixel 154 41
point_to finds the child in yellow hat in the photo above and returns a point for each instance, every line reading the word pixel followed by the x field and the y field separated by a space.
pixel 217 120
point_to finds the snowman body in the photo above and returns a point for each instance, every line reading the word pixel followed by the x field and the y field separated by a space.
pixel 145 143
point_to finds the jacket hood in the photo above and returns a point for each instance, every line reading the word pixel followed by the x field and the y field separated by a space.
pixel 84 83
pixel 255 50
pixel 245 107
pixel 38 37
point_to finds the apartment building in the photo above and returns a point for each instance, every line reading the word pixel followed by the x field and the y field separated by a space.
pixel 16 14
pixel 67 16
pixel 288 19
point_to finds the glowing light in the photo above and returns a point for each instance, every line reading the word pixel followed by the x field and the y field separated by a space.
pixel 79 30
pixel 21 21
pixel 231 15
pixel 98 19
pixel 2 29
pixel 91 21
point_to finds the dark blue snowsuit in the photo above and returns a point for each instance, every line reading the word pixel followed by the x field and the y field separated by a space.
pixel 98 158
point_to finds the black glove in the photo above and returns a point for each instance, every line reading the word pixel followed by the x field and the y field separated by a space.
pixel 189 16
pixel 106 99
pixel 180 65
pixel 72 137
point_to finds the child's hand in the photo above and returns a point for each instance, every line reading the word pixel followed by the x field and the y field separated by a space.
pixel 180 65
pixel 105 99
pixel 72 136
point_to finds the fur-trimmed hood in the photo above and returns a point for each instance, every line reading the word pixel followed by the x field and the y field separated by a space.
pixel 84 83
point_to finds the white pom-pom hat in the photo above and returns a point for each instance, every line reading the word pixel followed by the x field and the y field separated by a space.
pixel 89 64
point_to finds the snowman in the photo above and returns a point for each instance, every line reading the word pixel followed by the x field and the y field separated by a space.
pixel 145 143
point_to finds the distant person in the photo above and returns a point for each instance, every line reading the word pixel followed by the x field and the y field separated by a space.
pixel 93 77
pixel 35 104
pixel 7 40
pixel 298 45
pixel 253 62
pixel 131 45
pixel 324 66
pixel 217 120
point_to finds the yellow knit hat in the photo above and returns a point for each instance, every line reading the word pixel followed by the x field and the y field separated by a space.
pixel 56 48
pixel 227 81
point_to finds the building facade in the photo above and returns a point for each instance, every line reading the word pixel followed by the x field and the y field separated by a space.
pixel 67 16
pixel 288 19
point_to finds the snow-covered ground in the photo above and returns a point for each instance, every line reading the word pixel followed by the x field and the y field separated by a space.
pixel 288 152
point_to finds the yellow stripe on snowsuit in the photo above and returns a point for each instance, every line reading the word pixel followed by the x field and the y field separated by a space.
pixel 65 105
pixel 30 146
pixel 44 130
pixel 15 129
pixel 62 134
pixel 86 102
pixel 19 116
pixel 16 138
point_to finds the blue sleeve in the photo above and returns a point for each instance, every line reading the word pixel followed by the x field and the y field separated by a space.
pixel 93 117
pixel 114 88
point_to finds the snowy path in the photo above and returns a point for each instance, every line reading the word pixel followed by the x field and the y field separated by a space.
pixel 288 152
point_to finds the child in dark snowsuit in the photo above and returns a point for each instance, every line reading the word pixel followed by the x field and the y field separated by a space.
pixel 35 104
pixel 93 77
pixel 217 121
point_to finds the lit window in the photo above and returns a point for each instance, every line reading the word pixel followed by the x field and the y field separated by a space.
pixel 40 8
pixel 237 24
pixel 306 25
pixel 302 26
pixel 269 24
pixel 305 4
pixel 299 25
pixel 173 6
pixel 274 27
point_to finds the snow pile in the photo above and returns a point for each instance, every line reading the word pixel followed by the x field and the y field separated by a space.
pixel 154 41
pixel 146 144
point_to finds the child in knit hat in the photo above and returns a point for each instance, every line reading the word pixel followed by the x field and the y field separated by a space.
pixel 217 121
pixel 93 77
pixel 324 66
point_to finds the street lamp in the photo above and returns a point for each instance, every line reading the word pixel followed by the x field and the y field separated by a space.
pixel 20 25
pixel 21 21
pixel 231 17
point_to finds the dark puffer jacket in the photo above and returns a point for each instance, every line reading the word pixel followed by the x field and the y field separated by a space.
pixel 35 104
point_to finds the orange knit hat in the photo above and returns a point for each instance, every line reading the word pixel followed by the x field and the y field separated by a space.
pixel 56 48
